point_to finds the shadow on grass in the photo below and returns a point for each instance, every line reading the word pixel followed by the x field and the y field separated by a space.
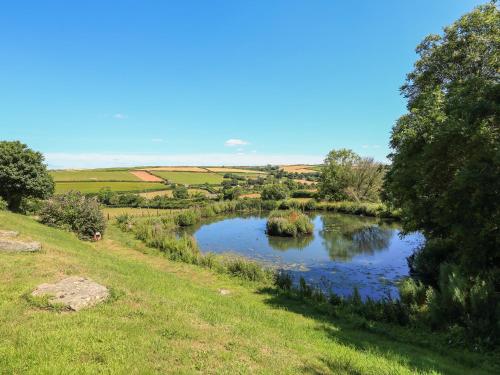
pixel 416 350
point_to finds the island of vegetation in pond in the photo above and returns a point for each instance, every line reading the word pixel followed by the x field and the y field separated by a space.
pixel 291 223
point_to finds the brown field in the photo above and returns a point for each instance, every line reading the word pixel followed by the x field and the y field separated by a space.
pixel 146 176
pixel 234 170
pixel 297 168
pixel 305 182
pixel 177 169
pixel 251 195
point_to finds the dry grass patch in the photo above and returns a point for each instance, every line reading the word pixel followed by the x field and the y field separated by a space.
pixel 298 168
pixel 178 169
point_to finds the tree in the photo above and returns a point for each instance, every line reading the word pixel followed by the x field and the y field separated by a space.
pixel 22 174
pixel 347 176
pixel 445 173
pixel 366 180
pixel 337 173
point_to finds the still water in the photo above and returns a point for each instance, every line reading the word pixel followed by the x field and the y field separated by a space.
pixel 344 251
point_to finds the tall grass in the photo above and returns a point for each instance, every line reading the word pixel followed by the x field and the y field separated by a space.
pixel 291 223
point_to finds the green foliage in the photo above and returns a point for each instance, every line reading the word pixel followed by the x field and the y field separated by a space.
pixel 274 192
pixel 180 192
pixel 3 204
pixel 187 218
pixel 231 193
pixel 446 167
pixel 76 212
pixel 22 174
pixel 304 194
pixel 347 176
pixel 288 223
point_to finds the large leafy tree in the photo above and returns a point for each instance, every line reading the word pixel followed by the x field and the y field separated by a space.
pixel 22 174
pixel 445 173
pixel 346 175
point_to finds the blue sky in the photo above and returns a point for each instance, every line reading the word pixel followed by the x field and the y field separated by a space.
pixel 104 83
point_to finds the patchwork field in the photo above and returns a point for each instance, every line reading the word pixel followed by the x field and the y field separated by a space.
pixel 190 178
pixel 146 176
pixel 299 168
pixel 177 169
pixel 94 187
pixel 234 170
pixel 93 175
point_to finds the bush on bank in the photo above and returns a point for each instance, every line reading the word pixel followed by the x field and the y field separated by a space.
pixel 75 212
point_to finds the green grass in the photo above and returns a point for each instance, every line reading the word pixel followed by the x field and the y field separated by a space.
pixel 94 187
pixel 168 317
pixel 190 178
pixel 93 175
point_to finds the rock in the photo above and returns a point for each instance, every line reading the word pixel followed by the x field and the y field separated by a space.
pixel 224 292
pixel 74 292
pixel 8 233
pixel 9 245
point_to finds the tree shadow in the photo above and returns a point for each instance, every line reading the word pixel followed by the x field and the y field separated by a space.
pixel 416 354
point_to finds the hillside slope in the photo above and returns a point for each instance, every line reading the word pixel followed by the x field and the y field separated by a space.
pixel 170 317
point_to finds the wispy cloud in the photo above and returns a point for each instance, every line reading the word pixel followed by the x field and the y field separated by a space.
pixel 95 160
pixel 157 140
pixel 235 142
pixel 120 116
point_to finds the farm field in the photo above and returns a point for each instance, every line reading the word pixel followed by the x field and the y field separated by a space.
pixel 168 316
pixel 234 170
pixel 190 178
pixel 299 168
pixel 94 187
pixel 92 175
pixel 177 169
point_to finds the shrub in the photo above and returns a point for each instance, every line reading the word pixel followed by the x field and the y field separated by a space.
pixel 274 192
pixel 288 223
pixel 3 204
pixel 187 218
pixel 180 192
pixel 304 194
pixel 76 212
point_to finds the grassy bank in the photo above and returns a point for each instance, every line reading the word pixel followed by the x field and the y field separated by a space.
pixel 170 317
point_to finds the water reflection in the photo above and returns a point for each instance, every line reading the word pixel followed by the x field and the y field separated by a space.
pixel 344 250
pixel 345 236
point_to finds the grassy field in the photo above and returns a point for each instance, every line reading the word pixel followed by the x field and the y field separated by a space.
pixel 92 175
pixel 170 317
pixel 190 178
pixel 94 187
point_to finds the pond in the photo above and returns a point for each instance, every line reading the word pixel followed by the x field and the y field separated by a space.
pixel 344 251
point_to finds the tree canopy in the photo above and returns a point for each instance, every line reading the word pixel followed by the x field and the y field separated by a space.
pixel 347 176
pixel 445 173
pixel 22 174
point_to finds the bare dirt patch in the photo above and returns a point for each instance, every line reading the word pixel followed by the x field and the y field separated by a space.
pixel 146 176
pixel 74 292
